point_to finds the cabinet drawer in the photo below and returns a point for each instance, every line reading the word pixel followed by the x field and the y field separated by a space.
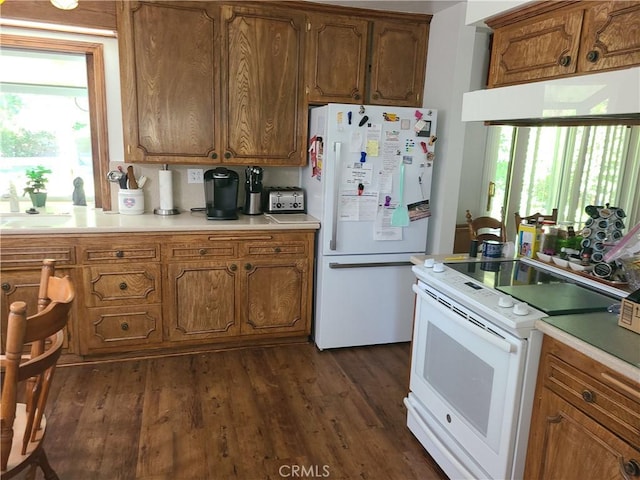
pixel 204 250
pixel 113 327
pixel 122 285
pixel 33 256
pixel 296 245
pixel 617 408
pixel 121 253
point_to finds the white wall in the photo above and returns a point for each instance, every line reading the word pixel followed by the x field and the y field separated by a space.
pixel 479 10
pixel 456 63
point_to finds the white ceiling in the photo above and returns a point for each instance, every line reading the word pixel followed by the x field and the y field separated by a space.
pixel 410 6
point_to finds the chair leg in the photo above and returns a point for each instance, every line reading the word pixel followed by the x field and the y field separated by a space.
pixel 49 473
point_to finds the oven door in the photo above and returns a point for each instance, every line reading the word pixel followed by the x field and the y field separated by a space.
pixel 466 382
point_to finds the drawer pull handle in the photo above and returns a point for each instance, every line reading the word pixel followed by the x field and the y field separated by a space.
pixel 202 251
pixel 593 56
pixel 233 267
pixel 6 287
pixel 277 249
pixel 632 468
pixel 123 286
pixel 565 61
pixel 119 253
pixel 124 326
pixel 588 396
pixel 248 266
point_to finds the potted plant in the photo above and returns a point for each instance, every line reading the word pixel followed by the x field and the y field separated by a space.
pixel 36 185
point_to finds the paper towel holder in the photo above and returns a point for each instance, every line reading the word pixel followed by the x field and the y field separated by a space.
pixel 166 211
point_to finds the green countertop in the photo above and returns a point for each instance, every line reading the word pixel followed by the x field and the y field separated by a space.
pixel 602 331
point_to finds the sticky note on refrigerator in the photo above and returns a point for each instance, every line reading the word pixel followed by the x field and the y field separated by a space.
pixel 373 148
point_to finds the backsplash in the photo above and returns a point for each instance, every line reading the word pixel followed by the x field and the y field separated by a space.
pixel 191 195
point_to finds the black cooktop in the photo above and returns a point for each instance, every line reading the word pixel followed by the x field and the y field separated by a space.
pixel 549 292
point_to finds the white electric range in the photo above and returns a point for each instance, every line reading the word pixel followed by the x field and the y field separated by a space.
pixel 475 359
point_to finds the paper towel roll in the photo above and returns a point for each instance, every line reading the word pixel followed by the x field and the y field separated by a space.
pixel 166 189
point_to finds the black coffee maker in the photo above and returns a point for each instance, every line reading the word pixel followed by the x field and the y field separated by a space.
pixel 253 191
pixel 221 194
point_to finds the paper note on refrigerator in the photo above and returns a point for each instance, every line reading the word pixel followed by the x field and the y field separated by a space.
pixel 358 208
pixel 382 229
pixel 358 173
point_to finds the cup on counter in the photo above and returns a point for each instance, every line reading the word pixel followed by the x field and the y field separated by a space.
pixel 492 249
pixel 131 202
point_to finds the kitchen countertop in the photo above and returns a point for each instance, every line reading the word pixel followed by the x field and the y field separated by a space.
pixel 597 335
pixel 89 220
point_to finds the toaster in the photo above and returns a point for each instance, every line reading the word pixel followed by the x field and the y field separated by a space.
pixel 284 200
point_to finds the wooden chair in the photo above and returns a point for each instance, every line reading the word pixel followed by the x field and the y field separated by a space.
pixel 486 228
pixel 535 217
pixel 23 424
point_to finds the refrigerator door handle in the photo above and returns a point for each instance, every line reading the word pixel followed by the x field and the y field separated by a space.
pixel 369 264
pixel 336 182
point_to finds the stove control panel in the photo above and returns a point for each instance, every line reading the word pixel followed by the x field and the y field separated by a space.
pixel 501 309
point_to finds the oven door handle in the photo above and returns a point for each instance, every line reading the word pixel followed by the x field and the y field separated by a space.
pixel 467 325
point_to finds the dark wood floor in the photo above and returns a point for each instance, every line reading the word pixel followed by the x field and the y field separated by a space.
pixel 256 413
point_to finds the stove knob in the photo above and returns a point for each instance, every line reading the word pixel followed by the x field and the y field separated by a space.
pixel 438 267
pixel 521 309
pixel 429 263
pixel 505 301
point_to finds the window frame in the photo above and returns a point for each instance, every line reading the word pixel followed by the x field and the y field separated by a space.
pixel 96 87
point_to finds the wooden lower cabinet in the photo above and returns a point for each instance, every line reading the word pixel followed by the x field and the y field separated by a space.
pixel 274 298
pixel 586 419
pixel 240 286
pixel 571 445
pixel 201 300
pixel 163 291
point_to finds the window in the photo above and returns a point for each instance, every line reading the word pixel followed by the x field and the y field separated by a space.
pixel 52 114
pixel 44 120
pixel 537 169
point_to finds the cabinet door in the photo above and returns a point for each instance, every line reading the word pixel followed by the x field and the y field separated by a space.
pixel 610 36
pixel 263 108
pixel 336 63
pixel 536 49
pixel 567 444
pixel 169 66
pixel 23 286
pixel 398 63
pixel 275 297
pixel 201 301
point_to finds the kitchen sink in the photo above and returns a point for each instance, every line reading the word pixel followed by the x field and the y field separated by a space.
pixel 25 220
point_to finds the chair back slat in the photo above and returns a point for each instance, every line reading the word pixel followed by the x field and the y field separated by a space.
pixel 486 228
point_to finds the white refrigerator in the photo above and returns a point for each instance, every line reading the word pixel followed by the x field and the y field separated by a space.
pixel 353 185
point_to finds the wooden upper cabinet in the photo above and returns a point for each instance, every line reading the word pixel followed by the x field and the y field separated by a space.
pixel 170 81
pixel 360 60
pixel 398 63
pixel 264 114
pixel 611 36
pixel 534 50
pixel 562 38
pixel 336 63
